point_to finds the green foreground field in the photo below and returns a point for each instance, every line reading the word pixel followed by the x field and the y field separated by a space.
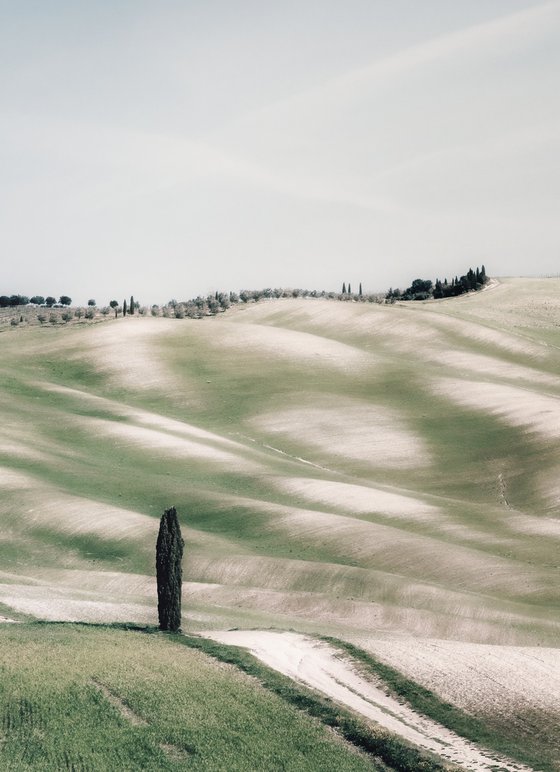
pixel 81 699
pixel 384 474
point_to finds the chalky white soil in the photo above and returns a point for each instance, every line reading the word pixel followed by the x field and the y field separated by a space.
pixel 360 499
pixel 519 684
pixel 290 346
pixel 348 429
pixel 130 354
pixel 530 410
pixel 316 664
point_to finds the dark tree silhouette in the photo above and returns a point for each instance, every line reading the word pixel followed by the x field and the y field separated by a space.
pixel 422 289
pixel 169 571
pixel 344 288
pixel 131 309
pixel 124 308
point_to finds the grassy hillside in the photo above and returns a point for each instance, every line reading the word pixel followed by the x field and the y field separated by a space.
pixel 384 474
pixel 99 699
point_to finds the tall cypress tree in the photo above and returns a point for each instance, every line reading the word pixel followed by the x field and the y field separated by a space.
pixel 124 307
pixel 169 571
pixel 360 292
pixel 344 288
pixel 349 289
pixel 131 309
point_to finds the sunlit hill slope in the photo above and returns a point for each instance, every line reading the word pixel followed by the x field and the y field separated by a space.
pixel 336 465
pixel 381 473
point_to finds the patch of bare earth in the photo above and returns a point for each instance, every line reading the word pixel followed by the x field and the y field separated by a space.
pixel 528 409
pixel 513 686
pixel 319 666
pixel 351 429
pixel 290 345
pixel 169 444
pixel 129 354
pixel 53 605
pixel 360 499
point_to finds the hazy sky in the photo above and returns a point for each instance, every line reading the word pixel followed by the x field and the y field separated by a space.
pixel 172 148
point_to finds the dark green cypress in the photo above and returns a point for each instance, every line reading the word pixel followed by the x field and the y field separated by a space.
pixel 169 571
pixel 344 288
pixel 124 307
pixel 131 309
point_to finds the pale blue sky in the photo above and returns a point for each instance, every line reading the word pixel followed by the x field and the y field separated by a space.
pixel 174 148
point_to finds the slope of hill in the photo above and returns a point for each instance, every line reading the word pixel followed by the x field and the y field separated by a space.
pixel 385 474
pixel 100 699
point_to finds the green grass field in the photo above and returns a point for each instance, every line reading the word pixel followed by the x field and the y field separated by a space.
pixel 368 472
pixel 86 698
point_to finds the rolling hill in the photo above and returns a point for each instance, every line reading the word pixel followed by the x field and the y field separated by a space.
pixel 385 474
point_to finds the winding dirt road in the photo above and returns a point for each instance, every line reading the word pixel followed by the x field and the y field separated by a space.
pixel 320 666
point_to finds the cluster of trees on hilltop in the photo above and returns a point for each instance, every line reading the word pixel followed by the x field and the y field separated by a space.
pixel 218 302
pixel 472 280
pixel 424 289
pixel 7 301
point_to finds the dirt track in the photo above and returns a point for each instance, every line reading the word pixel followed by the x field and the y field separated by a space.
pixel 318 665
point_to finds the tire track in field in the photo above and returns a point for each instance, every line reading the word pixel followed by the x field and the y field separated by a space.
pixel 318 665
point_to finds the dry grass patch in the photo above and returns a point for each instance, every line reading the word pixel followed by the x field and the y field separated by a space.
pixel 51 604
pixel 350 429
pixel 129 354
pixel 515 689
pixel 293 346
pixel 142 438
pixel 360 499
pixel 12 480
pixel 530 410
pixel 73 515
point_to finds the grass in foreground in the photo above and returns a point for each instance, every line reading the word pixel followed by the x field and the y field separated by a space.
pixel 90 698
pixel 389 748
pixel 490 734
